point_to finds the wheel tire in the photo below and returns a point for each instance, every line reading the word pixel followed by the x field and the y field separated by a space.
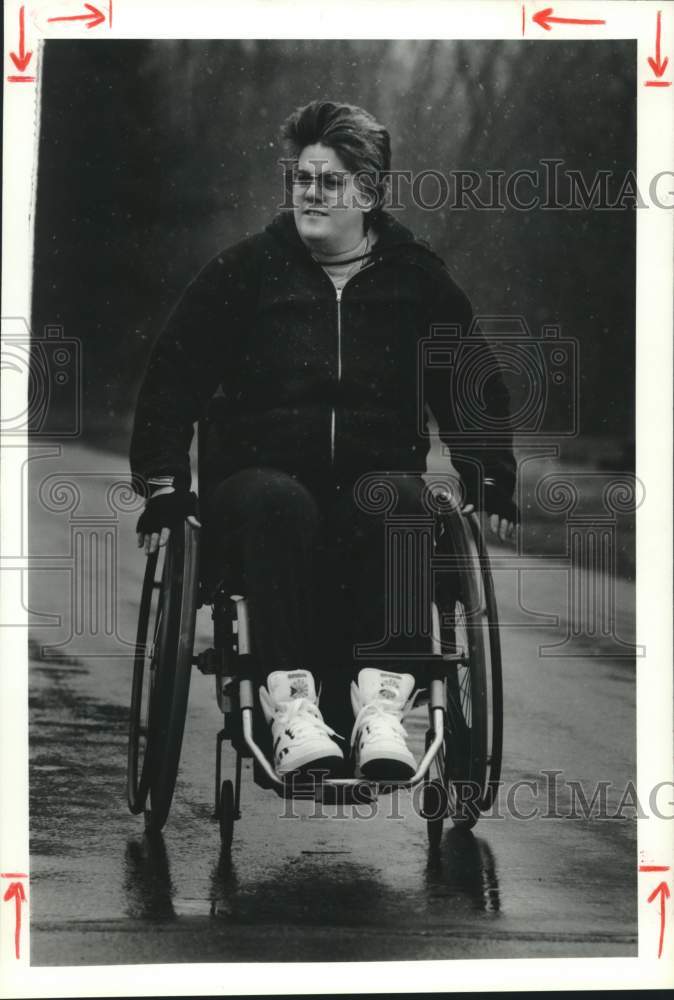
pixel 170 664
pixel 494 673
pixel 434 805
pixel 471 764
pixel 226 815
pixel 138 764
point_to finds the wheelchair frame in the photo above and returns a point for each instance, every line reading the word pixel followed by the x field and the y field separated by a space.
pixel 463 743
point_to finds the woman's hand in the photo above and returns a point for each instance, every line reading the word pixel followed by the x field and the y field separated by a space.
pixel 166 509
pixel 501 526
pixel 502 511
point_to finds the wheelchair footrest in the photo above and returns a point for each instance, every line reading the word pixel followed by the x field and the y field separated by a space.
pixel 353 793
pixel 345 795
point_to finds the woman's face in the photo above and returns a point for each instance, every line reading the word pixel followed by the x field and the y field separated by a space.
pixel 328 206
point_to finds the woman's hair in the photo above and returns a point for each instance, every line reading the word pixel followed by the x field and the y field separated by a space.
pixel 363 145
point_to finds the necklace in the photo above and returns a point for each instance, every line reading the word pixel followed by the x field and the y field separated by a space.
pixel 335 268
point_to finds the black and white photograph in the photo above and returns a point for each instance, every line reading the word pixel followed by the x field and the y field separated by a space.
pixel 333 454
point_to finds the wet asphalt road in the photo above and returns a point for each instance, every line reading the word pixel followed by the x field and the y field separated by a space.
pixel 309 888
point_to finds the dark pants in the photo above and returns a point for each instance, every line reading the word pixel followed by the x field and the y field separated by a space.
pixel 314 570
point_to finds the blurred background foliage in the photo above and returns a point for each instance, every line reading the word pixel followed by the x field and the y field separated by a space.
pixel 156 154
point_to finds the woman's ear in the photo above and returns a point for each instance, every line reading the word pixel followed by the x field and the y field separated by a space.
pixel 366 202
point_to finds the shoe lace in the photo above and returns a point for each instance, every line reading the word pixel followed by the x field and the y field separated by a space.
pixel 303 718
pixel 383 720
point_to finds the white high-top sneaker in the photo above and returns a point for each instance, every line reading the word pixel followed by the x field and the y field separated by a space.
pixel 379 700
pixel 301 739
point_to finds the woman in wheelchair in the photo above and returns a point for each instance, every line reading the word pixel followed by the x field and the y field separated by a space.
pixel 301 343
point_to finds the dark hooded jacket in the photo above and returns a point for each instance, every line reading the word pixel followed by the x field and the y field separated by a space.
pixel 293 375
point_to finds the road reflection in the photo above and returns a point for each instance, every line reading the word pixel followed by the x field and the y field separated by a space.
pixel 462 873
pixel 148 887
pixel 302 891
pixel 223 887
pixel 312 889
pixel 464 868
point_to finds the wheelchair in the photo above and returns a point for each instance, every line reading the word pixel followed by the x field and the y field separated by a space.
pixel 460 769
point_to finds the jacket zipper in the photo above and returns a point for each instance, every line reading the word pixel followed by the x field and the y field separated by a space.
pixel 333 418
pixel 338 293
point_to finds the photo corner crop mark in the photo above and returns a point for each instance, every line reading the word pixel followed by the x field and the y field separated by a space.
pixel 88 16
pixel 15 893
pixel 656 63
pixel 23 57
pixel 659 894
pixel 78 15
pixel 547 18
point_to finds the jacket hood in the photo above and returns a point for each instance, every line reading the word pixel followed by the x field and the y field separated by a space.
pixel 392 237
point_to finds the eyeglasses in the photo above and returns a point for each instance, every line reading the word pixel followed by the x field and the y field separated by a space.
pixel 328 181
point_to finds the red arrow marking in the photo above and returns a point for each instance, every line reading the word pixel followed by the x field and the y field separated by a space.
pixel 13 875
pixel 94 17
pixel 657 65
pixel 544 19
pixel 23 58
pixel 16 890
pixel 653 868
pixel 663 891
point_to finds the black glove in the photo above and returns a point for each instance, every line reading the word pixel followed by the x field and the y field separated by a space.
pixel 167 510
pixel 494 501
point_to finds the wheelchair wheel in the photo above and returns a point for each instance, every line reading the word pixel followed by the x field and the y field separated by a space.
pixel 470 764
pixel 161 675
pixel 493 671
pixel 138 765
